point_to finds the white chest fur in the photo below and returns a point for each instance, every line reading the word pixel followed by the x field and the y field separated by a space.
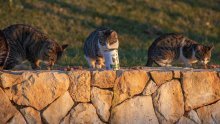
pixel 107 46
pixel 185 60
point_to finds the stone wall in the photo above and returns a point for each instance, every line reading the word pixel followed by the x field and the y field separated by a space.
pixel 144 96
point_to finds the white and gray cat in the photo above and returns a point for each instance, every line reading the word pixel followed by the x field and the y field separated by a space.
pixel 98 41
pixel 171 48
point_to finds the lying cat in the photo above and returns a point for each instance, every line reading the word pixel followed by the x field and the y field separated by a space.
pixel 175 47
pixel 27 43
pixel 97 42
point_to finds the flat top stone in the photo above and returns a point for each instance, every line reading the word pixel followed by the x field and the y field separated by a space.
pixel 104 79
pixel 161 77
pixel 148 69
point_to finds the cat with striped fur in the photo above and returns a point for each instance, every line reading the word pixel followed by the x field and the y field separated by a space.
pixel 170 48
pixel 27 43
pixel 97 42
pixel 3 50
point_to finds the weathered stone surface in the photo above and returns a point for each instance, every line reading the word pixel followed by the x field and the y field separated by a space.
pixel 17 119
pixel 31 115
pixel 66 120
pixel 104 79
pixel 83 113
pixel 7 110
pixel 168 102
pixel 58 109
pixel 80 85
pixel 102 100
pixel 9 79
pixel 138 110
pixel 40 89
pixel 8 93
pixel 193 116
pixel 150 88
pixel 210 114
pixel 184 120
pixel 176 74
pixel 200 88
pixel 129 84
pixel 161 77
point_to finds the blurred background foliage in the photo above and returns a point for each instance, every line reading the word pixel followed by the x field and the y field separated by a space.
pixel 138 23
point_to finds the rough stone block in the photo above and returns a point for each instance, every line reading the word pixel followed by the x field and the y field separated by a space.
pixel 168 102
pixel 80 85
pixel 102 101
pixel 200 88
pixel 58 109
pixel 7 110
pixel 83 113
pixel 210 114
pixel 150 88
pixel 138 110
pixel 103 79
pixel 38 89
pixel 31 115
pixel 130 83
pixel 161 77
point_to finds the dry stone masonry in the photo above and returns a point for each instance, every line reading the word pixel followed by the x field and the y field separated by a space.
pixel 127 96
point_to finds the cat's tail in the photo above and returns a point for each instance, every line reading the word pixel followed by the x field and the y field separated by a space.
pixel 150 62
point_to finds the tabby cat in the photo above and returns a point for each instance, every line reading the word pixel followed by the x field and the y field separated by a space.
pixel 171 48
pixel 3 50
pixel 100 40
pixel 27 43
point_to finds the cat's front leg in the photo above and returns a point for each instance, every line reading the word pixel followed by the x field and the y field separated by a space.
pixel 91 62
pixel 100 63
pixel 36 65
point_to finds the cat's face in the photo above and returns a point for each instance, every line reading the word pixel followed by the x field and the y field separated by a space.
pixel 52 52
pixel 203 53
pixel 108 40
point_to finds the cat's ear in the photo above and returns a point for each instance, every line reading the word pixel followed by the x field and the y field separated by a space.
pixel 199 47
pixel 107 32
pixel 114 33
pixel 64 46
pixel 104 33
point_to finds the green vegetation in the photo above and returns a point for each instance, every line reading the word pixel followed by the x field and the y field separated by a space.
pixel 136 21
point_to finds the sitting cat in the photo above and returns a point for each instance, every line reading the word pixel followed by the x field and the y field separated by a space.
pixel 175 47
pixel 27 43
pixel 98 41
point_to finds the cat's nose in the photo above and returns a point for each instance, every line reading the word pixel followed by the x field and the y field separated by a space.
pixel 205 61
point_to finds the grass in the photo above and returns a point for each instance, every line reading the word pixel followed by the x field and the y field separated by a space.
pixel 71 21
